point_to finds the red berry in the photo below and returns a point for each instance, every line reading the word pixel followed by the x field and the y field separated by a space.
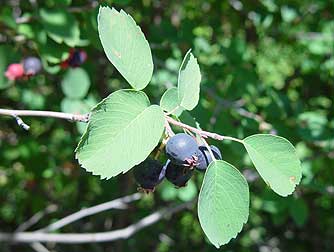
pixel 14 71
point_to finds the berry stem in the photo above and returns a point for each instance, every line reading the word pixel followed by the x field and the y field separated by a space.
pixel 202 133
pixel 169 130
pixel 209 149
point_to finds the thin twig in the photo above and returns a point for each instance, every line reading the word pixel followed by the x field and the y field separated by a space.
pixel 39 247
pixel 21 123
pixel 124 233
pixel 169 130
pixel 208 148
pixel 39 113
pixel 202 133
pixel 114 204
pixel 85 118
pixel 36 218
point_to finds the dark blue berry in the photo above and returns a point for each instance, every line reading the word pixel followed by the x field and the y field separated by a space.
pixel 178 174
pixel 32 65
pixel 182 149
pixel 149 174
pixel 77 58
pixel 204 157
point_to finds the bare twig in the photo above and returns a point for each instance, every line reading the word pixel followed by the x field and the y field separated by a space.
pixel 39 113
pixel 209 149
pixel 124 233
pixel 85 118
pixel 114 204
pixel 39 247
pixel 36 218
pixel 202 133
pixel 21 123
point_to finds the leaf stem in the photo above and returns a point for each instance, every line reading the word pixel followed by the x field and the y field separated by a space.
pixel 202 133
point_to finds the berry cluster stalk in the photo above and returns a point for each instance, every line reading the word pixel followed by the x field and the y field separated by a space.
pixel 203 133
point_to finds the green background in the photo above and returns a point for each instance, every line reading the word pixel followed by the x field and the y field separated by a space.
pixel 267 67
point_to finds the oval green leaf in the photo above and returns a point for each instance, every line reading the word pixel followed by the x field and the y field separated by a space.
pixel 223 204
pixel 189 82
pixel 122 131
pixel 276 161
pixel 125 46
pixel 75 83
pixel 169 102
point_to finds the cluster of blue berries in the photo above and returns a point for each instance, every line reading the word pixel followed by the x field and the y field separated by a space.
pixel 184 156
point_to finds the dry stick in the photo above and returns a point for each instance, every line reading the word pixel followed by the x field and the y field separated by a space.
pixel 202 133
pixel 39 247
pixel 124 233
pixel 114 204
pixel 36 218
pixel 59 115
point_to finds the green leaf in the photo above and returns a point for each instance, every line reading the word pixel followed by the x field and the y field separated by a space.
pixel 189 82
pixel 60 25
pixel 76 83
pixel 275 159
pixel 122 131
pixel 169 102
pixel 223 204
pixel 125 46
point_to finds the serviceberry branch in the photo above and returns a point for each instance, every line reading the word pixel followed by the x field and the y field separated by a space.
pixel 85 118
pixel 39 113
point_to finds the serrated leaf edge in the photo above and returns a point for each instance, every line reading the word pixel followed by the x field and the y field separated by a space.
pixel 246 219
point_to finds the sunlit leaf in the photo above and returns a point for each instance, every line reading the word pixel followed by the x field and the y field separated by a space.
pixel 123 130
pixel 169 102
pixel 125 46
pixel 223 204
pixel 189 82
pixel 275 159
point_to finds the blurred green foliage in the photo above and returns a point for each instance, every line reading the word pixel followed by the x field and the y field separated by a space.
pixel 267 66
